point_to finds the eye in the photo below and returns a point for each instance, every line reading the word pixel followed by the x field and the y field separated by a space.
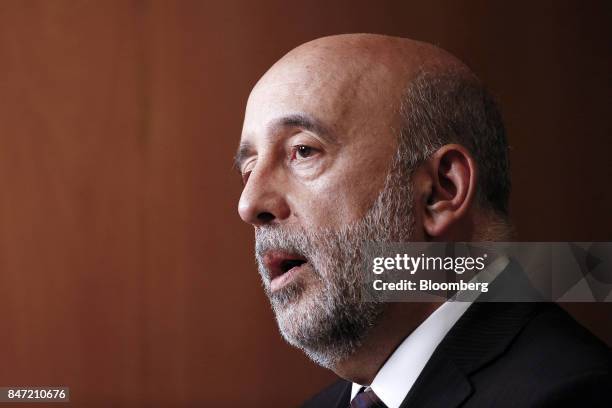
pixel 302 152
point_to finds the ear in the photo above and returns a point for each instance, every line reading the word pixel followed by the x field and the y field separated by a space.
pixel 452 181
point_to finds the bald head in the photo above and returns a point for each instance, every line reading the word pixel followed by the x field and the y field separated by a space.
pixel 401 56
pixel 356 73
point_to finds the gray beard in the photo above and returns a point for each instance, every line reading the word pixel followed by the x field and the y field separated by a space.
pixel 329 318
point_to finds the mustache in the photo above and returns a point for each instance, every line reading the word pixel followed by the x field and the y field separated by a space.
pixel 276 238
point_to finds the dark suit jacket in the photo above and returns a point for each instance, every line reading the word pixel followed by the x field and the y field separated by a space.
pixel 507 355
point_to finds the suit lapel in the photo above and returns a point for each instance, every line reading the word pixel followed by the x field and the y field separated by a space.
pixel 442 385
pixel 480 336
pixel 344 397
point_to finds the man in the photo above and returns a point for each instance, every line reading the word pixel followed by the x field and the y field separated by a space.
pixel 357 138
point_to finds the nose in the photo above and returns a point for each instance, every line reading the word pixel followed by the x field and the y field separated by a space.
pixel 263 199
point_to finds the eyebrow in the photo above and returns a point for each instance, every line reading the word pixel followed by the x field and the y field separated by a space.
pixel 296 120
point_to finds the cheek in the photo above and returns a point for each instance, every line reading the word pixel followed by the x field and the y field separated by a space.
pixel 333 203
pixel 347 189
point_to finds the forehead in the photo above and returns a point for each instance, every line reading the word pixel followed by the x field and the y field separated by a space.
pixel 340 97
pixel 296 91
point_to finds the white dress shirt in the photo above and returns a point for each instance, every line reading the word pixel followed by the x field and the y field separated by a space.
pixel 398 374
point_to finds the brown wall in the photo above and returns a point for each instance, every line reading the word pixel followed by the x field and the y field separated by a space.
pixel 125 272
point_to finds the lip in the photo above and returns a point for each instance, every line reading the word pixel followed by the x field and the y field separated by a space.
pixel 283 267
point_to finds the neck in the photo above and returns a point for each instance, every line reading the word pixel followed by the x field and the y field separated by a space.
pixel 397 322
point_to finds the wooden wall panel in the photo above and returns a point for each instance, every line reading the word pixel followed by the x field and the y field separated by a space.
pixel 125 272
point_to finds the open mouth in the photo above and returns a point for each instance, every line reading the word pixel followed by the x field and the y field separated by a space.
pixel 289 264
pixel 282 265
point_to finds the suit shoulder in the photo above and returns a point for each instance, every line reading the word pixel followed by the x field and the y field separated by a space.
pixel 330 396
pixel 554 340
pixel 586 390
pixel 551 361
